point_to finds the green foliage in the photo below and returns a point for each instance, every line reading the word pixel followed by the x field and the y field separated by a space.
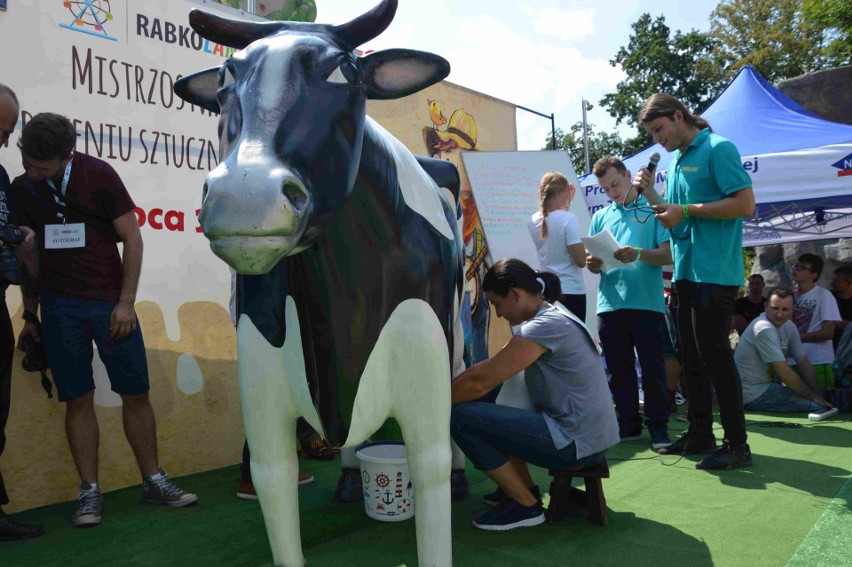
pixel 773 36
pixel 600 145
pixel 779 38
pixel 296 11
pixel 657 61
pixel 748 261
pixel 292 10
pixel 836 18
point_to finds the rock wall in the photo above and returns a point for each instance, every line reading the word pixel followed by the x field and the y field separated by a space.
pixel 825 93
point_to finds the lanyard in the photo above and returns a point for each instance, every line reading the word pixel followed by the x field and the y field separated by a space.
pixel 59 196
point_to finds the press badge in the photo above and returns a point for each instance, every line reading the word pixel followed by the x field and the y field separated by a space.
pixel 72 235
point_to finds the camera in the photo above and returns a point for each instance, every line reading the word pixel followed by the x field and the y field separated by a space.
pixel 36 357
pixel 10 235
pixel 35 360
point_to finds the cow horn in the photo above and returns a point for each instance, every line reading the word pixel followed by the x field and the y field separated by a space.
pixel 367 26
pixel 231 32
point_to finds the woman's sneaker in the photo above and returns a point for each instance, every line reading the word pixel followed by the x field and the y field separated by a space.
pixel 510 515
pixel 159 489
pixel 824 413
pixel 89 508
pixel 499 497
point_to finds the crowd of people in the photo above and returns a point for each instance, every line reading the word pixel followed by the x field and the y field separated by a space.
pixel 78 290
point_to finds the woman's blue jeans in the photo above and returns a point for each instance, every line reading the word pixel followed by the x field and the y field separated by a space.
pixel 489 434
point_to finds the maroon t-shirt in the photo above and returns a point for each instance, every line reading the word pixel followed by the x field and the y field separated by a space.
pixel 95 196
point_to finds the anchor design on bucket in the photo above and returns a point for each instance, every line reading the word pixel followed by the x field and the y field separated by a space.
pixel 388 489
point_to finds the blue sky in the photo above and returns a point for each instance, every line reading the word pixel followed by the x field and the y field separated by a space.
pixel 543 54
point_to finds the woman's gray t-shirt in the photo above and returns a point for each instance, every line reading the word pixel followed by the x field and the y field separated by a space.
pixel 567 384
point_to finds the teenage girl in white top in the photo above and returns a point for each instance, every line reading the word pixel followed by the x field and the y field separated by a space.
pixel 556 234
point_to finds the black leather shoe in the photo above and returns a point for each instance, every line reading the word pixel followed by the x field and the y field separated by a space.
pixel 728 457
pixel 349 487
pixel 11 529
pixel 690 444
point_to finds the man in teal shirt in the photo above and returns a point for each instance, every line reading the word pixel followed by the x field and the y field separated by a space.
pixel 707 194
pixel 630 304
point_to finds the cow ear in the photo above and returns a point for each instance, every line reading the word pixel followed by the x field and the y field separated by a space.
pixel 200 89
pixel 395 73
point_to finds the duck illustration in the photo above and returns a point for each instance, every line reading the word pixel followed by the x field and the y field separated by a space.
pixel 435 113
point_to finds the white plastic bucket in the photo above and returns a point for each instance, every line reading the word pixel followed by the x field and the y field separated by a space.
pixel 388 491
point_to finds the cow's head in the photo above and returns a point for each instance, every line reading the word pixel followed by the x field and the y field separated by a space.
pixel 292 107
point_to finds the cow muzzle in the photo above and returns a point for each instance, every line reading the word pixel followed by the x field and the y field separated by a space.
pixel 254 215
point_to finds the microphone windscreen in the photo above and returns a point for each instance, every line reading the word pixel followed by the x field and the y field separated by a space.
pixel 653 161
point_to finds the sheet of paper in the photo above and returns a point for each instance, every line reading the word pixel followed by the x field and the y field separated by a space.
pixel 603 245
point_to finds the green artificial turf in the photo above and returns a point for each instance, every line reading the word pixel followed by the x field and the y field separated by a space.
pixel 792 505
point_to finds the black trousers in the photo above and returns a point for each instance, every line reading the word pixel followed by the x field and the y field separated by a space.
pixel 7 351
pixel 704 323
pixel 621 331
pixel 576 304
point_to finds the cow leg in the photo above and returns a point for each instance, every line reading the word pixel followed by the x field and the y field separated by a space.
pixel 274 393
pixel 408 373
pixel 427 440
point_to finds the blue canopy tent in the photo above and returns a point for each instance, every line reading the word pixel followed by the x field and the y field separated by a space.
pixel 800 164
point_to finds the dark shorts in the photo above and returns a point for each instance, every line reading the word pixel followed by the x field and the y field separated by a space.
pixel 69 327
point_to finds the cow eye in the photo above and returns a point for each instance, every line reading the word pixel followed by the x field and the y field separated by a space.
pixel 226 76
pixel 337 77
pixel 343 74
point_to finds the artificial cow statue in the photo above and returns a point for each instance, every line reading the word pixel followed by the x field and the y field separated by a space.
pixel 348 252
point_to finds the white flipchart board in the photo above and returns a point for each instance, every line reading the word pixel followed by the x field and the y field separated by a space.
pixel 505 186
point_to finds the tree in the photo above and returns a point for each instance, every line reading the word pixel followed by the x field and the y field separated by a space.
pixel 836 17
pixel 292 10
pixel 600 145
pixel 654 60
pixel 296 11
pixel 773 36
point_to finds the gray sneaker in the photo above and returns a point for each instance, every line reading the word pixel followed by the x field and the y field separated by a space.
pixel 164 492
pixel 89 509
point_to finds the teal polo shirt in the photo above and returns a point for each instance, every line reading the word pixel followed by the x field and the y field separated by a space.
pixel 707 250
pixel 640 287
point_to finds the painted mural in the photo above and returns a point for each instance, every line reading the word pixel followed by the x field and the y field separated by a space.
pixel 446 139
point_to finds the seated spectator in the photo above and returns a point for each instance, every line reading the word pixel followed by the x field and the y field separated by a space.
pixel 574 423
pixel 814 313
pixel 769 383
pixel 841 288
pixel 746 309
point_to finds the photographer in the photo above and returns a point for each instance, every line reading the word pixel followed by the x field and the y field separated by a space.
pixel 11 236
pixel 86 293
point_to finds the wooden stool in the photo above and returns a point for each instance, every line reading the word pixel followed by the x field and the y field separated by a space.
pixel 566 501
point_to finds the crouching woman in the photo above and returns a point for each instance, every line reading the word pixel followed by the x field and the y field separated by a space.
pixel 573 423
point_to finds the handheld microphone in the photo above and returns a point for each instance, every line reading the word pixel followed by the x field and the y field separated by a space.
pixel 652 166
